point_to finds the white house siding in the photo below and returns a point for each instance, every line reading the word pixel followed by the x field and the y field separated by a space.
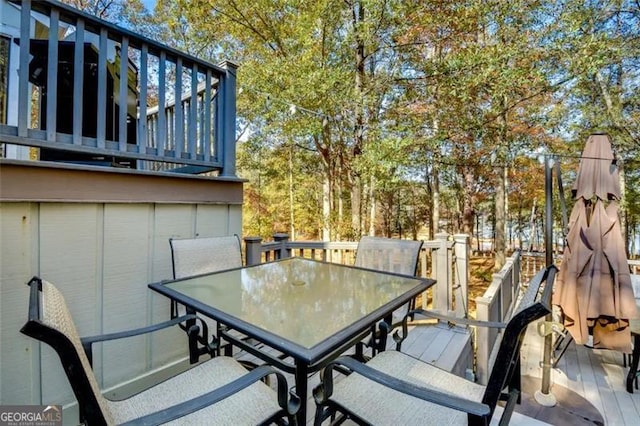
pixel 101 256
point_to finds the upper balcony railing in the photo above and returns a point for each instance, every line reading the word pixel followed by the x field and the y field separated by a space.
pixel 170 108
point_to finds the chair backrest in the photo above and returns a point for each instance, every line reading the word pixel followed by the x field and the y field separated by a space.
pixel 531 307
pixel 195 256
pixel 388 254
pixel 50 322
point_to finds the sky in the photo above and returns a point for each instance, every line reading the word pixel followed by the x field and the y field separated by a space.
pixel 149 4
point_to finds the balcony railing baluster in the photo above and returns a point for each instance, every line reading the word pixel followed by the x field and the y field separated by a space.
pixel 161 141
pixel 52 76
pixel 142 103
pixel 98 124
pixel 23 84
pixel 78 82
pixel 101 118
pixel 124 89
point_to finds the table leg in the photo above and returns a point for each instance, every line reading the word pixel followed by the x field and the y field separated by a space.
pixel 633 368
pixel 301 390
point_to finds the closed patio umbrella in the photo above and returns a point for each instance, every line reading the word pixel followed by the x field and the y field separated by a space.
pixel 593 288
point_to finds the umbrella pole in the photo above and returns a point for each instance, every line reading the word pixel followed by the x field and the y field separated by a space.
pixel 544 395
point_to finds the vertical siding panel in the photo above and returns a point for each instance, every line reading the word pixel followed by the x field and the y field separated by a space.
pixel 235 219
pixel 212 221
pixel 20 374
pixel 98 295
pixel 126 257
pixel 177 221
pixel 69 254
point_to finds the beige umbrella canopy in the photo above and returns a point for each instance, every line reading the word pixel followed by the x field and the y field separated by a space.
pixel 594 286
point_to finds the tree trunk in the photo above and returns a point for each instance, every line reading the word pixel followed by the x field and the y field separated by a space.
pixel 622 214
pixel 339 189
pixel 372 211
pixel 435 196
pixel 468 204
pixel 326 208
pixel 532 226
pixel 323 147
pixel 358 13
pixel 500 214
pixel 292 224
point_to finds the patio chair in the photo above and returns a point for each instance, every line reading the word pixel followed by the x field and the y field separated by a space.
pixel 388 255
pixel 217 391
pixel 197 256
pixel 395 388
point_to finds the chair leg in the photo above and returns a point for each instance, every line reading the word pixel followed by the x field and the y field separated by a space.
pixel 322 413
pixel 514 397
pixel 556 358
pixel 515 384
pixel 194 353
pixel 632 376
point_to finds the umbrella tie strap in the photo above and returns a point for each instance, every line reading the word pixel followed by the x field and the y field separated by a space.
pixel 548 327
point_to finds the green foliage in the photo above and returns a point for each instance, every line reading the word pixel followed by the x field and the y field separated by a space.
pixel 381 101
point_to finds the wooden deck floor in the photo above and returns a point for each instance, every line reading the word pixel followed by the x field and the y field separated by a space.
pixel 597 375
pixel 594 380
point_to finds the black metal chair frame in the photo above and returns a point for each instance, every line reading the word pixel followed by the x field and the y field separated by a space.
pixel 90 411
pixel 505 374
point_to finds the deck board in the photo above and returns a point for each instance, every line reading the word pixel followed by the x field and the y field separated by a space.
pixel 598 375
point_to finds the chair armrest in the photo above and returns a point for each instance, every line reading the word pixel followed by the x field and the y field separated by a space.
pixel 399 338
pixel 87 342
pixel 290 405
pixel 324 390
pixel 457 320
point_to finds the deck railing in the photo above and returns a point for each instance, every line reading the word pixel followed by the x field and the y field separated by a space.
pixel 113 118
pixel 444 259
pixel 495 305
pixel 499 298
pixel 533 262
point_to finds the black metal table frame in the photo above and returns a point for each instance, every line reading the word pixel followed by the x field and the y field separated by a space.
pixel 305 360
pixel 633 374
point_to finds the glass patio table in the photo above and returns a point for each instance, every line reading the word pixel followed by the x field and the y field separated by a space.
pixel 309 311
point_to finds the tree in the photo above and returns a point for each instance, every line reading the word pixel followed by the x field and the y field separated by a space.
pixel 367 105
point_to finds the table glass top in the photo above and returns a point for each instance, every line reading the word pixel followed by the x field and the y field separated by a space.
pixel 301 300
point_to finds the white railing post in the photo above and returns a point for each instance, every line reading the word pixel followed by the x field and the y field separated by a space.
pixel 517 262
pixel 461 278
pixel 482 343
pixel 442 293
